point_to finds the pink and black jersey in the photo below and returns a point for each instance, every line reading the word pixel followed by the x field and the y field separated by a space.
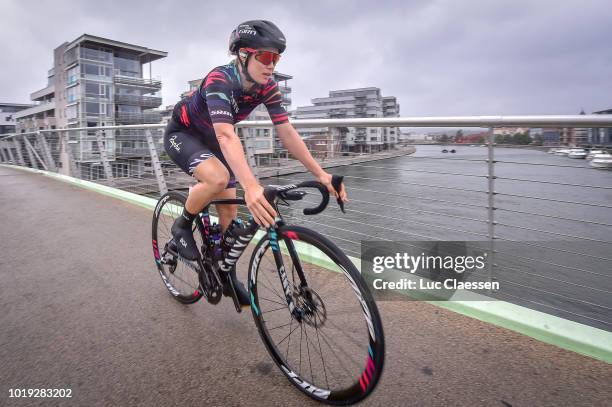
pixel 220 99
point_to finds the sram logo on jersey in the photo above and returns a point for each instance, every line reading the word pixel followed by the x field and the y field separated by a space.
pixel 221 112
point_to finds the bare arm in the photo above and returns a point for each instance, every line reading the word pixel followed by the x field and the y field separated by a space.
pixel 231 147
pixel 294 143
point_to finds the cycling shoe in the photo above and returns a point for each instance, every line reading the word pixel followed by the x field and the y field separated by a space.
pixel 183 237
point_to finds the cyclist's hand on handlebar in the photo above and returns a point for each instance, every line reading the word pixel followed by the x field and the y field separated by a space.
pixel 258 205
pixel 326 179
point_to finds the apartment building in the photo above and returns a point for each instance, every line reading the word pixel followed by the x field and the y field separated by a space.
pixel 346 104
pixel 94 82
pixel 7 116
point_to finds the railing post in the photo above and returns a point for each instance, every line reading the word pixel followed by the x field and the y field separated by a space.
pixel 67 158
pixel 10 152
pixel 105 163
pixel 33 154
pixel 46 151
pixel 249 145
pixel 2 159
pixel 491 201
pixel 159 174
pixel 18 151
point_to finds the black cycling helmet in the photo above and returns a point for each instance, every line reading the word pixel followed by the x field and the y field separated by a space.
pixel 257 34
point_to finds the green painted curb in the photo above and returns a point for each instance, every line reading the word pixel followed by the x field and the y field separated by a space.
pixel 579 338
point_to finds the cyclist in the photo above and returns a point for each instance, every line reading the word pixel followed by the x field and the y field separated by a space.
pixel 200 136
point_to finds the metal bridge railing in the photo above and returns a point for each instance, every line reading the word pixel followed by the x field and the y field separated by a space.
pixel 545 218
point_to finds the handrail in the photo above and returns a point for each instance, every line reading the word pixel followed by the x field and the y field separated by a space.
pixel 540 121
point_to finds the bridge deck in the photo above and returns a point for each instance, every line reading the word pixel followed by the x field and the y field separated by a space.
pixel 83 308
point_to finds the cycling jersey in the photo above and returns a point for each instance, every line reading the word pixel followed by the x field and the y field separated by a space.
pixel 190 137
pixel 221 99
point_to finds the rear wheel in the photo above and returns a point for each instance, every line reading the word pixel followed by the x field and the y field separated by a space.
pixel 331 346
pixel 180 278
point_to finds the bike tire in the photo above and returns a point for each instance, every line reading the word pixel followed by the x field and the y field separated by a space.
pixel 180 280
pixel 346 284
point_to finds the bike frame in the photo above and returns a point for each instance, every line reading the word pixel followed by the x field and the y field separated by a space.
pixel 204 226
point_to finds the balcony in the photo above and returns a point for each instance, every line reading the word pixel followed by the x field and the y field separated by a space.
pixel 140 82
pixel 137 118
pixel 135 100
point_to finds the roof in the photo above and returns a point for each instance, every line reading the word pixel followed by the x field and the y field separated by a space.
pixel 24 105
pixel 609 111
pixel 146 54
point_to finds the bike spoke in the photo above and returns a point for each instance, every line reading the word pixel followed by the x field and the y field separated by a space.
pixel 273 291
pixel 288 335
pixel 308 351
pixel 276 327
pixel 276 309
pixel 320 351
pixel 259 297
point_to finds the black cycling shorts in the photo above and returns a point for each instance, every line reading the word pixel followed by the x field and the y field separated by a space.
pixel 187 150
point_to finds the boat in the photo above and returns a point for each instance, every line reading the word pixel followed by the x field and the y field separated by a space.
pixel 593 152
pixel 577 153
pixel 562 151
pixel 552 150
pixel 602 161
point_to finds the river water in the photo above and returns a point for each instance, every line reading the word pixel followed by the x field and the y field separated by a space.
pixel 564 266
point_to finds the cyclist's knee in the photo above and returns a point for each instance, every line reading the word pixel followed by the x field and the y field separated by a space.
pixel 214 175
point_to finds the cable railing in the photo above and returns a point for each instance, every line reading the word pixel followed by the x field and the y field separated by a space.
pixel 556 210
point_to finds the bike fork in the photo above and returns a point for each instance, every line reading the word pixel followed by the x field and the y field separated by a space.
pixel 282 274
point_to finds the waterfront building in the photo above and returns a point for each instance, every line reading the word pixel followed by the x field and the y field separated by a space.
pixel 7 116
pixel 601 136
pixel 551 137
pixel 346 104
pixel 98 82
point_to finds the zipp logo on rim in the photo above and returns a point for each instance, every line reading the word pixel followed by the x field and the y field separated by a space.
pixel 364 306
pixel 305 385
pixel 160 204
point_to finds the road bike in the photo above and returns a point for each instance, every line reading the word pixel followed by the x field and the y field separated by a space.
pixel 310 304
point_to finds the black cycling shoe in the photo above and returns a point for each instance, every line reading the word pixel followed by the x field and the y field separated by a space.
pixel 183 238
pixel 241 291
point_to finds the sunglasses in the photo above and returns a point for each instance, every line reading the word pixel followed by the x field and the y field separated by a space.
pixel 265 57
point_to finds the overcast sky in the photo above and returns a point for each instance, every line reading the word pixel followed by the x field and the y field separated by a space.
pixel 439 58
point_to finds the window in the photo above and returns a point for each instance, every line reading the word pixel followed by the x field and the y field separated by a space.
pixel 72 94
pixel 72 112
pixel 94 89
pixel 95 70
pixel 72 75
pixel 127 66
pixel 262 144
pixel 95 54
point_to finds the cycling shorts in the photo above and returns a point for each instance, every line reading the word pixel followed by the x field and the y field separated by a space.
pixel 187 149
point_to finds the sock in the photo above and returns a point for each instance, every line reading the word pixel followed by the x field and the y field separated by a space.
pixel 186 219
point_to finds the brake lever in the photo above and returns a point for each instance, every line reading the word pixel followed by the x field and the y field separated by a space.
pixel 336 183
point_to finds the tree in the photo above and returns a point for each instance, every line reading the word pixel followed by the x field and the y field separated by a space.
pixel 459 136
pixel 521 138
pixel 538 140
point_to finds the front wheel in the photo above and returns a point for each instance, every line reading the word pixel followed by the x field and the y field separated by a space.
pixel 330 345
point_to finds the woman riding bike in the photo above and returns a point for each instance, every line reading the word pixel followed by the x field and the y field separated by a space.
pixel 201 140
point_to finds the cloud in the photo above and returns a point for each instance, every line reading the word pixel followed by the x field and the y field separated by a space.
pixel 439 58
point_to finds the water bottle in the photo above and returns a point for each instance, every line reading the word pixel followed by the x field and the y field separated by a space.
pixel 215 232
pixel 235 240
